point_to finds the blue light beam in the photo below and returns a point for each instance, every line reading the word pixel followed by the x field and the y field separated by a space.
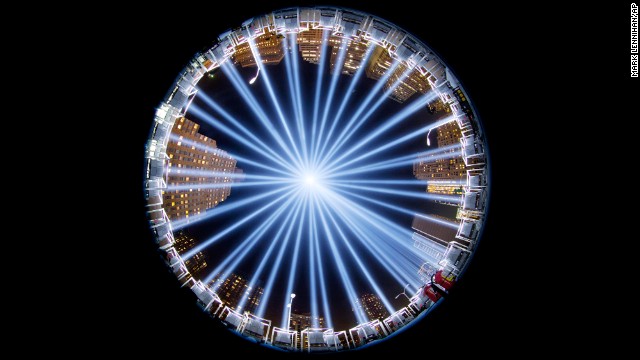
pixel 277 239
pixel 250 241
pixel 238 223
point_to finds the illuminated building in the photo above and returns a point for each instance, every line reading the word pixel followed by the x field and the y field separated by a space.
pixel 410 84
pixel 310 43
pixel 414 82
pixel 191 151
pixel 355 52
pixel 379 63
pixel 449 134
pixel 300 322
pixel 233 288
pixel 439 106
pixel 444 175
pixel 185 242
pixel 268 46
pixel 445 188
pixel 373 307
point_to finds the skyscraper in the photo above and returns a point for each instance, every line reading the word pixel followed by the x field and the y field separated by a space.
pixel 412 83
pixel 354 55
pixel 198 171
pixel 300 322
pixel 234 288
pixel 268 46
pixel 379 63
pixel 444 175
pixel 449 134
pixel 373 307
pixel 310 43
pixel 185 242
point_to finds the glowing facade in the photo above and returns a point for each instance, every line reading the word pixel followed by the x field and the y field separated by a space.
pixel 195 161
pixel 379 63
pixel 234 288
pixel 356 50
pixel 197 263
pixel 300 322
pixel 452 168
pixel 268 46
pixel 310 44
pixel 373 307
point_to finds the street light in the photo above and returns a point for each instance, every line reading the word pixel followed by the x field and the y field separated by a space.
pixel 255 77
pixel 289 306
pixel 429 142
pixel 403 293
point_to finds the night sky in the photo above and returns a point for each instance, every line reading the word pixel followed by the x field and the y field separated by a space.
pixel 222 91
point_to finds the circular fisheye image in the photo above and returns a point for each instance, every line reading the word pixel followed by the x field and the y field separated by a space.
pixel 318 177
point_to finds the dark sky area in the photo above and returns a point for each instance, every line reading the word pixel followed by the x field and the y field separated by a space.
pixel 222 91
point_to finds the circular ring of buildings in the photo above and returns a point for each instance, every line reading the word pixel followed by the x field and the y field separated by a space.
pixel 318 178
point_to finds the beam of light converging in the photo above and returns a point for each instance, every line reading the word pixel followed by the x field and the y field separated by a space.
pixel 356 258
pixel 377 247
pixel 225 207
pixel 406 255
pixel 342 270
pixel 316 98
pixel 363 106
pixel 294 263
pixel 395 142
pixel 247 96
pixel 196 110
pixel 238 223
pixel 332 88
pixel 218 152
pixel 235 122
pixel 381 248
pixel 402 210
pixel 371 110
pixel 274 100
pixel 345 99
pixel 247 244
pixel 387 124
pixel 393 230
pixel 227 184
pixel 413 194
pixel 323 288
pixel 277 240
pixel 268 287
pixel 442 153
pixel 376 182
pixel 178 171
pixel 396 119
pixel 299 101
pixel 395 164
pixel 313 238
pixel 295 94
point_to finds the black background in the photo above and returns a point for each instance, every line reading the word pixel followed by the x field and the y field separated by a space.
pixel 142 308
